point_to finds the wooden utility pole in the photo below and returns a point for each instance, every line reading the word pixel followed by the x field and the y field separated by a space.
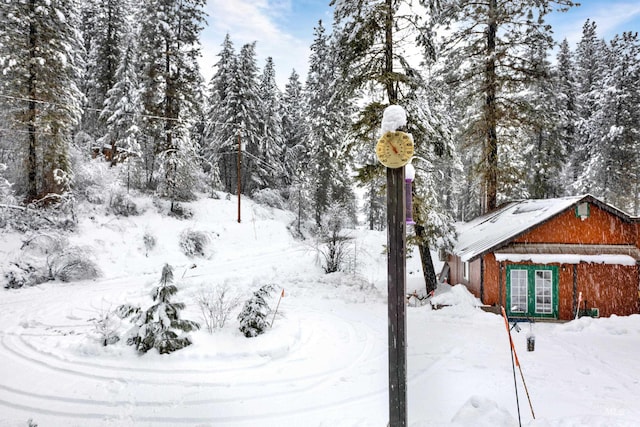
pixel 396 271
pixel 239 173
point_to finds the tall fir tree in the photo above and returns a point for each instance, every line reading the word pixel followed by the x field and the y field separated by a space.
pixel 616 174
pixel 544 159
pixel 328 115
pixel 590 66
pixel 295 155
pixel 488 63
pixel 246 111
pixel 234 119
pixel 121 114
pixel 170 81
pixel 221 133
pixel 270 168
pixel 565 87
pixel 106 34
pixel 40 46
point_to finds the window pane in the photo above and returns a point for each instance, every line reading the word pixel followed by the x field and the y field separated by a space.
pixel 543 288
pixel 518 303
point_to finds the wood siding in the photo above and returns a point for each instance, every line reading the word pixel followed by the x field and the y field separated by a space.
pixel 600 228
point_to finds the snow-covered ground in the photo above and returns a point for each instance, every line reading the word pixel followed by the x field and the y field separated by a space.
pixel 324 362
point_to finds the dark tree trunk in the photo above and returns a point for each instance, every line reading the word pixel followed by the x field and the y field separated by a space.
pixel 491 171
pixel 32 160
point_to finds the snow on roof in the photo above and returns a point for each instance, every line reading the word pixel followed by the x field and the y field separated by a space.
pixel 485 232
pixel 567 258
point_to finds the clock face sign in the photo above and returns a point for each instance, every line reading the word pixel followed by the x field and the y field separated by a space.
pixel 394 149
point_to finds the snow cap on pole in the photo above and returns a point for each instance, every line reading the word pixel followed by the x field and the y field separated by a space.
pixel 393 118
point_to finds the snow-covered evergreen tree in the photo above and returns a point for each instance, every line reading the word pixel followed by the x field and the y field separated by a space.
pixel 374 38
pixel 40 46
pixel 565 86
pixel 245 109
pixel 616 175
pixel 545 154
pixel 107 35
pixel 220 133
pixel 253 316
pixel 590 66
pixel 329 122
pixel 159 326
pixel 488 65
pixel 234 115
pixel 295 156
pixel 170 81
pixel 121 114
pixel 269 167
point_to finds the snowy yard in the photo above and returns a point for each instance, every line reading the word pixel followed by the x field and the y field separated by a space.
pixel 324 362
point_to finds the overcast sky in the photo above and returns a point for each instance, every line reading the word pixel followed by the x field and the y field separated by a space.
pixel 283 29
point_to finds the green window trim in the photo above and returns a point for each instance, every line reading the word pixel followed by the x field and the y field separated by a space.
pixel 584 206
pixel 527 274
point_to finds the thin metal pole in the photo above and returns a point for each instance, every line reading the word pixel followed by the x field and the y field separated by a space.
pixel 239 173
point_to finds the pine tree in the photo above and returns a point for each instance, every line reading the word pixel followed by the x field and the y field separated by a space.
pixel 544 134
pixel 171 80
pixel 245 109
pixel 590 68
pixel 39 47
pixel 233 117
pixel 158 326
pixel 121 112
pixel 565 87
pixel 106 40
pixel 486 50
pixel 328 115
pixel 269 167
pixel 221 134
pixel 616 176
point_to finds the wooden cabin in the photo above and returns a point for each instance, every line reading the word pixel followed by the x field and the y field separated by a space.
pixel 541 258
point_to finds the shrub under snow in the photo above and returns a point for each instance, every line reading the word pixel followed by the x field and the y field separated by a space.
pixel 194 243
pixel 253 317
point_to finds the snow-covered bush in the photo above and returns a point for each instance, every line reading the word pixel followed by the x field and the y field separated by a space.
pixel 193 242
pixel 105 325
pixel 180 211
pixel 90 178
pixel 48 256
pixel 149 241
pixel 254 315
pixel 334 243
pixel 216 305
pixel 158 326
pixel 23 273
pixel 121 204
pixel 72 264
pixel 5 186
pixel 269 197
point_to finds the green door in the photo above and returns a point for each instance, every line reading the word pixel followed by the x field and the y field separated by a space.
pixel 532 290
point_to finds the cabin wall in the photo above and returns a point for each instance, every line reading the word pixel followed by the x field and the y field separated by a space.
pixel 612 289
pixel 492 282
pixel 456 274
pixel 600 228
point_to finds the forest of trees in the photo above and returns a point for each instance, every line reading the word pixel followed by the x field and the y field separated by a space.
pixel 499 111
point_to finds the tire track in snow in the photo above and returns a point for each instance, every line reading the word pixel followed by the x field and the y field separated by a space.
pixel 25 353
